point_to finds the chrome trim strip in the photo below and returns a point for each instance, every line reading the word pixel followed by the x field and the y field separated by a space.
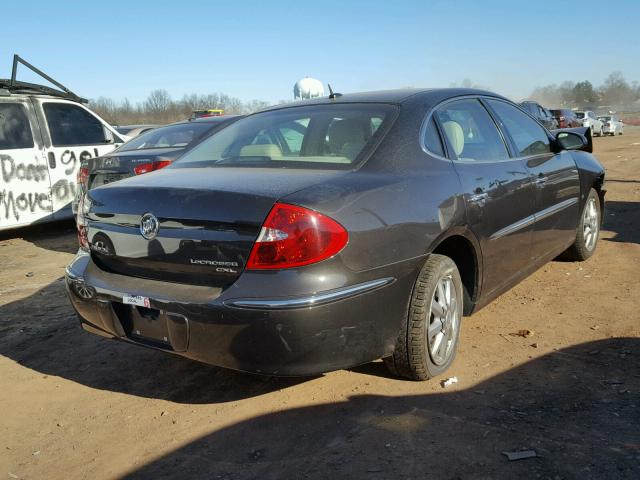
pixel 311 300
pixel 547 212
pixel 525 222
pixel 536 217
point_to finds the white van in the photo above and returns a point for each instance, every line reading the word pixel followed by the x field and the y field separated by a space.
pixel 44 135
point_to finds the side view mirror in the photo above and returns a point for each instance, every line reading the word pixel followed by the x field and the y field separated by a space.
pixel 573 141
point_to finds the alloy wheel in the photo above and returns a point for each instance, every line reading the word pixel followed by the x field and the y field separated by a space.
pixel 443 321
pixel 590 224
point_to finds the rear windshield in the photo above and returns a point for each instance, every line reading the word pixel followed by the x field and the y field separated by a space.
pixel 605 119
pixel 315 136
pixel 170 136
pixel 580 114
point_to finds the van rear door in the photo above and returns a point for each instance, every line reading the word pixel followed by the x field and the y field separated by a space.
pixel 24 176
pixel 72 133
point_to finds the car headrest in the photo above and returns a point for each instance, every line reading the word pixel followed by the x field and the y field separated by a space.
pixel 262 150
pixel 455 134
pixel 346 131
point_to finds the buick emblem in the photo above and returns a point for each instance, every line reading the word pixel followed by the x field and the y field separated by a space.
pixel 149 226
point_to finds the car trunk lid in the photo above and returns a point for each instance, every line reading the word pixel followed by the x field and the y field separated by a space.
pixel 207 221
pixel 120 165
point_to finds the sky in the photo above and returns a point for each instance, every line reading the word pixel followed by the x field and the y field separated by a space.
pixel 259 49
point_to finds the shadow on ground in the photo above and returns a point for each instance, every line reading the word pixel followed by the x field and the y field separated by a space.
pixel 57 236
pixel 578 408
pixel 623 218
pixel 42 333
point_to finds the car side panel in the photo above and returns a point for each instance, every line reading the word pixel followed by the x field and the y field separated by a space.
pixel 397 205
pixel 25 188
pixel 592 174
pixel 557 191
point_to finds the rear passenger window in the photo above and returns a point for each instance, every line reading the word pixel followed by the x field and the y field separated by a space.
pixel 15 131
pixel 471 132
pixel 529 137
pixel 432 139
pixel 72 125
pixel 293 135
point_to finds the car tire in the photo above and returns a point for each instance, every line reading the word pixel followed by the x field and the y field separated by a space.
pixel 428 340
pixel 588 229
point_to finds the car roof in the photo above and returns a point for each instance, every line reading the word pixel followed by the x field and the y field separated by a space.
pixel 398 96
pixel 37 95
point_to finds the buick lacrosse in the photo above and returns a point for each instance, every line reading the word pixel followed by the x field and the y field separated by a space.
pixel 329 233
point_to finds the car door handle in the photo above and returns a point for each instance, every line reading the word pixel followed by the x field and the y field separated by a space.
pixel 52 159
pixel 479 198
pixel 541 180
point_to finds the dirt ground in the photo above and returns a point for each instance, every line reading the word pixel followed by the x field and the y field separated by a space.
pixel 76 406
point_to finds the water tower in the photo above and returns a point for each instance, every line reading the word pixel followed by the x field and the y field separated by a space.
pixel 308 88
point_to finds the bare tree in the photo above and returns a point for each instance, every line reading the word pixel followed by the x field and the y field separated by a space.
pixel 160 108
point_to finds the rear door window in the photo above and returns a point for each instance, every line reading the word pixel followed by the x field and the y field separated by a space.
pixel 432 140
pixel 15 130
pixel 471 132
pixel 527 135
pixel 71 125
pixel 293 135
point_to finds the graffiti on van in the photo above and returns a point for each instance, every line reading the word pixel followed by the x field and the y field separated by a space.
pixel 21 171
pixel 18 197
pixel 69 159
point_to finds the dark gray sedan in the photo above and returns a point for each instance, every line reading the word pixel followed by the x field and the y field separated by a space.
pixel 329 233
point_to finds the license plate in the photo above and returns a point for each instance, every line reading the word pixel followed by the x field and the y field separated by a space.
pixel 137 300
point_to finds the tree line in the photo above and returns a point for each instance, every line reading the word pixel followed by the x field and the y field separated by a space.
pixel 160 108
pixel 615 93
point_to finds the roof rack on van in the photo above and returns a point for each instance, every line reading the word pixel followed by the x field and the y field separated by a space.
pixel 17 86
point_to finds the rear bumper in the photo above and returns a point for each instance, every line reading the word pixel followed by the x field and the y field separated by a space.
pixel 302 335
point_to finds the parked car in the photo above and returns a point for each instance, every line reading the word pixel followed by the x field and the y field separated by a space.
pixel 146 153
pixel 150 151
pixel 543 115
pixel 611 124
pixel 566 118
pixel 132 131
pixel 45 133
pixel 592 122
pixel 331 232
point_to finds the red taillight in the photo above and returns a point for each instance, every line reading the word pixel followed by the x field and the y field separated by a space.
pixel 151 166
pixel 293 236
pixel 82 176
pixel 143 168
pixel 162 163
